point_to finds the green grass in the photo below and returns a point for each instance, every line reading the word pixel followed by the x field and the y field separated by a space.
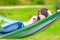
pixel 19 14
pixel 51 33
pixel 23 14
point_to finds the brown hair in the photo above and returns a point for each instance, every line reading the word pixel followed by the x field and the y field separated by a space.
pixel 43 11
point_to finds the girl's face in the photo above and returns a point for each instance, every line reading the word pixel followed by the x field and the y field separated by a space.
pixel 41 16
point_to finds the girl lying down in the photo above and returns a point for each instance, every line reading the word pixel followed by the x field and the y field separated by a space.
pixel 12 25
pixel 43 13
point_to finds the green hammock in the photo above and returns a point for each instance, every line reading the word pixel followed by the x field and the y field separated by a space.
pixel 30 29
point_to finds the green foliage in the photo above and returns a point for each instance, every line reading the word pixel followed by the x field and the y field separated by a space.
pixel 50 2
pixel 38 2
pixel 26 2
pixel 58 4
pixel 8 2
pixel 2 22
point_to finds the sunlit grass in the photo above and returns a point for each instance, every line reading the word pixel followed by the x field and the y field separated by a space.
pixel 51 33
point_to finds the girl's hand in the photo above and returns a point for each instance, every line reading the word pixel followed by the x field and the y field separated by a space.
pixel 34 19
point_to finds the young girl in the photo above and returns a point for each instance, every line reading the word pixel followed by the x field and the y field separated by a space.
pixel 43 13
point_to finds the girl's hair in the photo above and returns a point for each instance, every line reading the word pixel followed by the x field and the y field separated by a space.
pixel 43 11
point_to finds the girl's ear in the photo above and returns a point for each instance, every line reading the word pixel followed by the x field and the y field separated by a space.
pixel 49 13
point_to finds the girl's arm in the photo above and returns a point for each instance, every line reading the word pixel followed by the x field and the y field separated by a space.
pixel 32 20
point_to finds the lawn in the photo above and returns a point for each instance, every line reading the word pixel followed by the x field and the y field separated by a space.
pixel 23 14
pixel 51 33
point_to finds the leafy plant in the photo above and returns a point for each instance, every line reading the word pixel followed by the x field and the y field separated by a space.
pixel 2 22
